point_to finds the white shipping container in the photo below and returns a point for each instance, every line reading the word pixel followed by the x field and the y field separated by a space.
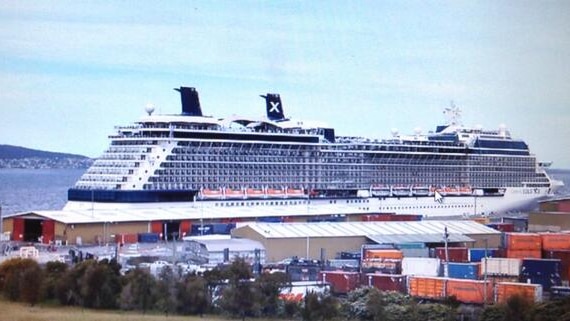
pixel 422 266
pixel 501 266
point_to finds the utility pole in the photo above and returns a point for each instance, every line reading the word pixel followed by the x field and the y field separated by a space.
pixel 446 240
pixel 485 275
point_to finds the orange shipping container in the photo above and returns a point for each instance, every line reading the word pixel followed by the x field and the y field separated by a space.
pixel 470 291
pixel 555 241
pixel 524 254
pixel 531 292
pixel 427 287
pixel 523 241
pixel 383 254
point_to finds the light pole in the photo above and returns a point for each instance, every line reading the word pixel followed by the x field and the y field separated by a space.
pixel 446 265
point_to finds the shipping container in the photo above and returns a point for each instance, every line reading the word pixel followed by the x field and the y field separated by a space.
pixel 463 270
pixel 356 255
pixel 341 282
pixel 523 254
pixel 500 266
pixel 222 228
pixel 531 292
pixel 415 252
pixel 344 265
pixel 412 245
pixel 545 272
pixel 456 254
pixel 503 227
pixel 559 292
pixel 555 241
pixel 470 291
pixel 297 273
pixel 270 219
pixel 421 266
pixel 426 287
pixel 126 238
pixel 522 241
pixel 386 266
pixel 202 229
pixel 383 254
pixel 564 257
pixel 476 254
pixel 500 278
pixel 387 282
pixel 148 237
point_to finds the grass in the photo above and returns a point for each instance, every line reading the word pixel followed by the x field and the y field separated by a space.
pixel 24 312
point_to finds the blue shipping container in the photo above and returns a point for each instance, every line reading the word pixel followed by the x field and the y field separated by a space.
pixel 476 254
pixel 463 270
pixel 148 237
pixel 415 245
pixel 541 271
pixel 202 229
pixel 222 228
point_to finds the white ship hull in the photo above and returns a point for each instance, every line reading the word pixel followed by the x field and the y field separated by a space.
pixel 513 200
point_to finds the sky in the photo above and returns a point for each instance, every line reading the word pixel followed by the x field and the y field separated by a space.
pixel 72 70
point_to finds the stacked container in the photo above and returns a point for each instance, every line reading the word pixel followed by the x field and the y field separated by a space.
pixel 522 245
pixel 470 291
pixel 421 266
pixel 557 246
pixel 477 254
pixel 456 254
pixel 387 282
pixel 502 267
pixel 531 292
pixel 463 270
pixel 545 272
pixel 387 261
pixel 426 287
pixel 341 282
pixel 413 249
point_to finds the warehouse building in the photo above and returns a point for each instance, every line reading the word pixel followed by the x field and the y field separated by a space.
pixel 104 225
pixel 325 240
pixel 553 216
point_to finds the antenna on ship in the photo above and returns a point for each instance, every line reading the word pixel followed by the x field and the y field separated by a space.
pixel 453 114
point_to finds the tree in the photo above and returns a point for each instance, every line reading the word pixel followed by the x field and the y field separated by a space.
pixel 138 291
pixel 193 294
pixel 31 280
pixel 166 294
pixel 319 306
pixel 269 286
pixel 53 272
pixel 239 298
pixel 12 281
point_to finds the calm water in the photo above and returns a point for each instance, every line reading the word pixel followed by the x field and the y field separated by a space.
pixel 46 189
pixel 35 189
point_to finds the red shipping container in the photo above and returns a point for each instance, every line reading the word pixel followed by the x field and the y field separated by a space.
pixel 341 282
pixel 126 238
pixel 523 241
pixel 456 254
pixel 531 292
pixel 386 282
pixel 555 241
pixel 564 257
pixel 504 227
pixel 524 254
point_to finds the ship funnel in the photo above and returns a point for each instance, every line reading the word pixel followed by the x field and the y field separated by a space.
pixel 274 107
pixel 190 101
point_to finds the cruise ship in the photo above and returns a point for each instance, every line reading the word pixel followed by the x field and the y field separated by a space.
pixel 189 160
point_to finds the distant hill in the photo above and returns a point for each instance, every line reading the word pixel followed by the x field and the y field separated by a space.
pixel 17 152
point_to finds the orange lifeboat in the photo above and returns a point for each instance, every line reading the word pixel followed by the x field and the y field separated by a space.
pixel 254 193
pixel 207 193
pixel 234 193
pixel 295 192
pixel 465 190
pixel 275 192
